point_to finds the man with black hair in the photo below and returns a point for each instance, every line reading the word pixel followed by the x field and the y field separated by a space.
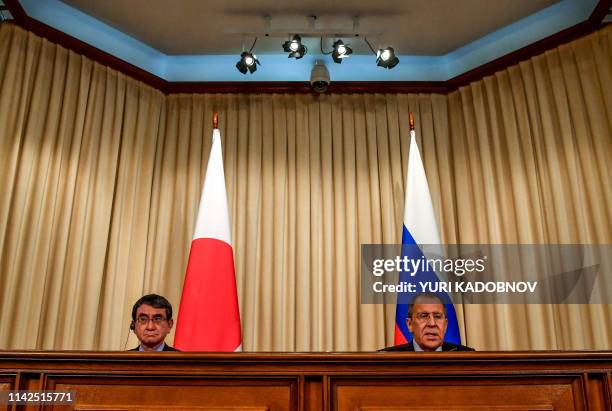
pixel 151 322
pixel 427 322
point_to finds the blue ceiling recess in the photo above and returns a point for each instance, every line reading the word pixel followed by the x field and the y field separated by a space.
pixel 521 33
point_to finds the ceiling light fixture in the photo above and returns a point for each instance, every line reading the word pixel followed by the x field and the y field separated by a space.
pixel 248 61
pixel 294 47
pixel 386 57
pixel 341 51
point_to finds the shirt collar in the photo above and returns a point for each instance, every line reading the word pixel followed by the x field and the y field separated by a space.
pixel 417 347
pixel 160 347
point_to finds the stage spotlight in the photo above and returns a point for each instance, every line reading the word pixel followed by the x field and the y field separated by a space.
pixel 341 51
pixel 386 58
pixel 294 47
pixel 248 62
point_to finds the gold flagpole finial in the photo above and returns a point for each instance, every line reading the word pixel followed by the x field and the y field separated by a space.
pixel 411 120
pixel 215 120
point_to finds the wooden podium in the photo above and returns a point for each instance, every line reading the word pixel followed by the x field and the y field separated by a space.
pixel 303 381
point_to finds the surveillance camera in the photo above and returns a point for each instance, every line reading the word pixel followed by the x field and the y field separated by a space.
pixel 319 77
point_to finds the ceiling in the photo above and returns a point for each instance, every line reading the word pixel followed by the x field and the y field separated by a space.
pixel 205 26
pixel 200 40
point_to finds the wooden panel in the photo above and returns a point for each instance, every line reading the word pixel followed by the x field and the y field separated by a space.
pixel 595 386
pixel 471 408
pixel 313 394
pixel 461 394
pixel 165 407
pixel 498 381
pixel 608 391
pixel 141 393
pixel 7 383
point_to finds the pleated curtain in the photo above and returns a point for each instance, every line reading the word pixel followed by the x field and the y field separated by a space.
pixel 101 175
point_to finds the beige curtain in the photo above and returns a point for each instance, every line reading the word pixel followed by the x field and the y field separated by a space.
pixel 531 155
pixel 101 178
pixel 77 144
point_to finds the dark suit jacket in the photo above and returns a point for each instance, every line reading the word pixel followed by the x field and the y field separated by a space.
pixel 166 348
pixel 446 346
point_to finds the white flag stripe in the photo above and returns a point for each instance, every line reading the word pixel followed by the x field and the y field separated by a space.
pixel 419 215
pixel 213 217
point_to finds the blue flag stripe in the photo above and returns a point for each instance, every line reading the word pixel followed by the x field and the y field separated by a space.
pixel 401 311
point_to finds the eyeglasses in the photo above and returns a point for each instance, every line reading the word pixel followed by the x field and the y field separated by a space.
pixel 143 319
pixel 424 316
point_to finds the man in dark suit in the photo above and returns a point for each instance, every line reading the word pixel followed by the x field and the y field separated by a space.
pixel 151 322
pixel 427 322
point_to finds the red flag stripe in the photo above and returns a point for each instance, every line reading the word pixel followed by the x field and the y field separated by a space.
pixel 209 317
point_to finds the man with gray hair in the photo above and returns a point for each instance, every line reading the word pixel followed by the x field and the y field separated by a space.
pixel 427 322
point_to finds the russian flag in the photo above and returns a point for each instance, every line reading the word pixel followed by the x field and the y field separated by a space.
pixel 209 318
pixel 420 227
